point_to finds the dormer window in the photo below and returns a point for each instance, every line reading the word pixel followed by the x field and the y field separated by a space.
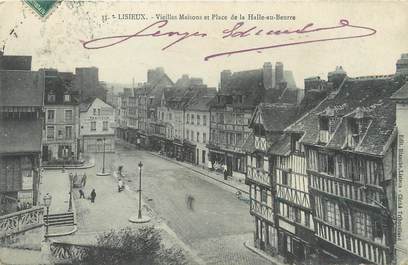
pixel 324 129
pixel 296 145
pixel 353 135
pixel 51 97
pixel 67 98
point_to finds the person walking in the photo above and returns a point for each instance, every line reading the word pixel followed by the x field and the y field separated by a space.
pixel 189 201
pixel 84 180
pixel 120 185
pixel 225 172
pixel 81 194
pixel 93 195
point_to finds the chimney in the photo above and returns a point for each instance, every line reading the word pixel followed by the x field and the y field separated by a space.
pixel 336 77
pixel 267 75
pixel 225 76
pixel 279 73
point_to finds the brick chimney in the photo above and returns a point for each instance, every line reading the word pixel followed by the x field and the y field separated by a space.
pixel 267 75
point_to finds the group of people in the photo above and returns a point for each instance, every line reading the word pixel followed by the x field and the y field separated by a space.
pixel 218 167
pixel 91 197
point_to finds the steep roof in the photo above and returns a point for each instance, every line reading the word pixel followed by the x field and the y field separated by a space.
pixel 277 116
pixel 21 88
pixel 371 97
pixel 401 93
pixel 17 136
pixel 244 81
pixel 15 62
pixel 200 103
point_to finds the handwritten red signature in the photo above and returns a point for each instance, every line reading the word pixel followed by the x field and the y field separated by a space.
pixel 158 29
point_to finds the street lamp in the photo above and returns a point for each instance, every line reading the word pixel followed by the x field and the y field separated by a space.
pixel 71 180
pixel 103 160
pixel 47 202
pixel 140 218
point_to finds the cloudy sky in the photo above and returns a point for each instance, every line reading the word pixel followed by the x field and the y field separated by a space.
pixel 55 42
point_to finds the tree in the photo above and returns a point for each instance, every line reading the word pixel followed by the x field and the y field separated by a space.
pixel 132 247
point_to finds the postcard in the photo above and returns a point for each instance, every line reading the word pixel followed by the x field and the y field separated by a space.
pixel 203 132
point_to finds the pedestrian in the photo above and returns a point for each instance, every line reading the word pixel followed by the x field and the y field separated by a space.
pixel 120 185
pixel 93 195
pixel 81 194
pixel 83 180
pixel 189 201
pixel 225 173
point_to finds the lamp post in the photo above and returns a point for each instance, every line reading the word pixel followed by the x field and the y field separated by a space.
pixel 140 218
pixel 139 215
pixel 47 202
pixel 103 173
pixel 71 180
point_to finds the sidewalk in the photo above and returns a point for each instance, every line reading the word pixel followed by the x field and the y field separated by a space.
pixel 57 184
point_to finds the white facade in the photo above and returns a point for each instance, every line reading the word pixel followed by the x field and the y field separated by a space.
pixel 96 124
pixel 197 131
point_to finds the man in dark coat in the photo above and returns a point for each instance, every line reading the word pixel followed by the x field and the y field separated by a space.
pixel 93 195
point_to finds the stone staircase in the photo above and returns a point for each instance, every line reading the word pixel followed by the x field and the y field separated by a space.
pixel 60 219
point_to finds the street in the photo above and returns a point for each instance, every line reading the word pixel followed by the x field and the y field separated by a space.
pixel 218 223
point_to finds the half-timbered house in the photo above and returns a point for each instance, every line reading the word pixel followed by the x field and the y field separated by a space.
pixel 349 145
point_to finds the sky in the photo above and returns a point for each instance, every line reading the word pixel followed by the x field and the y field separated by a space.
pixel 55 41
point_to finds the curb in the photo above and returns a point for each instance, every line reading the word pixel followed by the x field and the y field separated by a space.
pixel 85 166
pixel 200 172
pixel 65 233
pixel 261 253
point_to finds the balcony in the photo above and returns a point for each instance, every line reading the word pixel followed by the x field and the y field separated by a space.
pixel 366 195
pixel 260 143
pixel 258 175
pixel 293 195
pixel 372 251
pixel 261 209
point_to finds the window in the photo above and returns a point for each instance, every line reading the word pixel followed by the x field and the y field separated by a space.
pixel 204 137
pixel 50 115
pixel 362 224
pixel 264 196
pixel 105 126
pixel 307 219
pixel 188 118
pixel 51 97
pixel 67 98
pixel 162 116
pixel 99 112
pixel 198 120
pixel 50 132
pixel 68 115
pixel 330 164
pixel 68 132
pixel 192 118
pixel 192 135
pixel 205 120
pixel 198 137
pixel 169 116
pixel 93 125
pixel 284 177
pixel 94 112
pixel 59 134
pixel 332 213
pixel 188 134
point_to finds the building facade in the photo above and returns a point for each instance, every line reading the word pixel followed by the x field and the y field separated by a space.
pixel 232 109
pixel 97 119
pixel 21 119
pixel 61 130
pixel 350 146
pixel 197 129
